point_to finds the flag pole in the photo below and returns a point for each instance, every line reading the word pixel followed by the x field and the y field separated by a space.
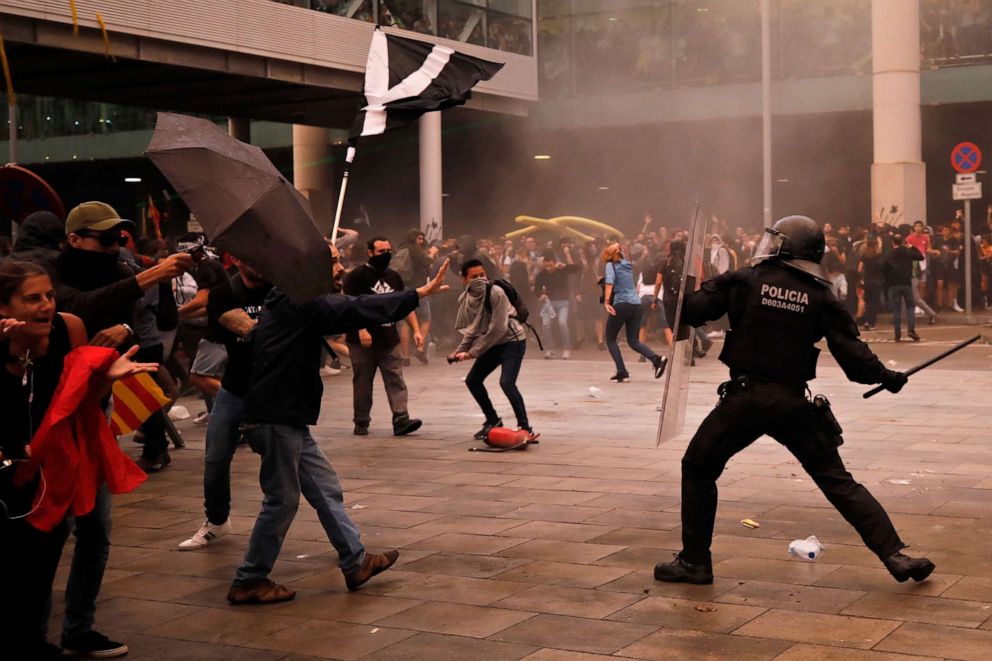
pixel 344 187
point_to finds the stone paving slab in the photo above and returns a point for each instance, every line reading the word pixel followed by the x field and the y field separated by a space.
pixel 548 554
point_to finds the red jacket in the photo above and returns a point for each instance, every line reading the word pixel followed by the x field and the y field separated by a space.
pixel 74 447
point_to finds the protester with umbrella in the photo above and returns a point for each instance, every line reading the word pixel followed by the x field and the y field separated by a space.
pixel 287 349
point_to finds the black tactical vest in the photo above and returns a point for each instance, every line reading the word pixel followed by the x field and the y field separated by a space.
pixel 776 317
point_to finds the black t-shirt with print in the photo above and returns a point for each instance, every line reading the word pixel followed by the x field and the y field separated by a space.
pixel 226 296
pixel 366 280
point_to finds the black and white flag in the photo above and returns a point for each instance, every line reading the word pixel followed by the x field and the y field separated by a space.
pixel 405 78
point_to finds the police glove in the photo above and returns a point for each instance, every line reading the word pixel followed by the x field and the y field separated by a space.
pixel 894 381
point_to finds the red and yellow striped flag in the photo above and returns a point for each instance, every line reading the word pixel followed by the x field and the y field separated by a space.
pixel 135 399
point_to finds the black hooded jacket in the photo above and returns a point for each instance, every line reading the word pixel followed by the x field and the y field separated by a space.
pixel 285 386
pixel 39 240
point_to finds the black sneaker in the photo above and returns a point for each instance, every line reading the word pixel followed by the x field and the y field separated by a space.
pixel 620 378
pixel 404 424
pixel 680 571
pixel 902 567
pixel 660 363
pixel 93 645
pixel 361 430
pixel 486 428
pixel 913 336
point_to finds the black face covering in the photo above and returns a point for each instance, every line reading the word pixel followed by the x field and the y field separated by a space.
pixel 380 262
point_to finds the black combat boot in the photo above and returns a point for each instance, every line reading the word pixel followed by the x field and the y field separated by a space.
pixel 403 424
pixel 903 567
pixel 681 571
pixel 483 433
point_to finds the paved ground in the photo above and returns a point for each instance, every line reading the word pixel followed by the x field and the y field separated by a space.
pixel 547 554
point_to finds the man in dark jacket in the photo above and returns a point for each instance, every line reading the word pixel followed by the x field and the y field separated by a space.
pixel 778 310
pixel 282 400
pixel 40 239
pixel 897 270
pixel 92 284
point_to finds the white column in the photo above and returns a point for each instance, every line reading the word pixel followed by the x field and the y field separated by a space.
pixel 766 109
pixel 312 172
pixel 431 214
pixel 898 175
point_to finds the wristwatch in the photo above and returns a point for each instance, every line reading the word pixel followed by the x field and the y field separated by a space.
pixel 130 331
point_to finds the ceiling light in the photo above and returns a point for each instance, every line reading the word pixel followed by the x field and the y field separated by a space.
pixel 132 180
pixel 604 188
pixel 542 157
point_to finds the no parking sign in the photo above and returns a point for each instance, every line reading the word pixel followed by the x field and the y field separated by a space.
pixel 966 157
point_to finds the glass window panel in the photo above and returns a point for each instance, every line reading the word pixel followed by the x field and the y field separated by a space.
pixel 412 15
pixel 956 33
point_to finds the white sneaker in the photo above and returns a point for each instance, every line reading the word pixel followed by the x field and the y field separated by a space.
pixel 958 308
pixel 202 419
pixel 207 533
pixel 565 355
pixel 330 371
pixel 548 355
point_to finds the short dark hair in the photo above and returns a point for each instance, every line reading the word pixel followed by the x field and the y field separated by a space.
pixel 469 264
pixel 897 239
pixel 13 274
pixel 371 242
pixel 549 255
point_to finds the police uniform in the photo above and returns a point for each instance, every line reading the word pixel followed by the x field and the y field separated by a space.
pixel 777 314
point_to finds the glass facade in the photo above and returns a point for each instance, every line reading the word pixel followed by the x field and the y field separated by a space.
pixel 607 46
pixel 505 25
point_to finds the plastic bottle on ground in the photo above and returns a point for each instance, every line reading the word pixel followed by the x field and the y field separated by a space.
pixel 806 549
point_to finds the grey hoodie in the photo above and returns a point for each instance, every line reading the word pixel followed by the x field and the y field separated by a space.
pixel 480 329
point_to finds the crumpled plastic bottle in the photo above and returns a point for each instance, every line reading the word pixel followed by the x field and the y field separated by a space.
pixel 806 549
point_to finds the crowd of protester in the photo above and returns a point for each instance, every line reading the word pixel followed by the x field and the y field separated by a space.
pixel 179 304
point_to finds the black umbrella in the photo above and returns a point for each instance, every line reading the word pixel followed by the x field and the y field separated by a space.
pixel 245 205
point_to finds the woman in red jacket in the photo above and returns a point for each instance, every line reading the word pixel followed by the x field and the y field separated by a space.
pixel 34 342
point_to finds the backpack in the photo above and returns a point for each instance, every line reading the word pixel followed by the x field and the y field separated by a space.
pixel 522 313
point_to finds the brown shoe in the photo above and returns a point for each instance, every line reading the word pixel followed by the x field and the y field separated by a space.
pixel 375 563
pixel 263 592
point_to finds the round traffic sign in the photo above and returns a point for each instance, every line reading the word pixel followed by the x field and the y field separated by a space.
pixel 966 157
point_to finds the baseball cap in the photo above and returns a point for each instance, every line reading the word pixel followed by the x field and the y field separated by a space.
pixel 95 216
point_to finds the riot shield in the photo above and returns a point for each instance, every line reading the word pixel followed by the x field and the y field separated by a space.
pixel 676 395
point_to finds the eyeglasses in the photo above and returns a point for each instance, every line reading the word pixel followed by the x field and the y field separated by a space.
pixel 105 238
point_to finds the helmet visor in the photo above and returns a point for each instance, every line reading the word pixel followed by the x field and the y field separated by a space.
pixel 769 246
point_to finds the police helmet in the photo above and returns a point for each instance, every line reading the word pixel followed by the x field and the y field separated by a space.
pixel 797 242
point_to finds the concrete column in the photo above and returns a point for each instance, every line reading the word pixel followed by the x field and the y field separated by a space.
pixel 431 214
pixel 898 175
pixel 312 172
pixel 239 128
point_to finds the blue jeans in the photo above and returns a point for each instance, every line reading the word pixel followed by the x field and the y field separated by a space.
pixel 292 463
pixel 561 316
pixel 222 441
pixel 629 315
pixel 508 356
pixel 89 560
pixel 897 295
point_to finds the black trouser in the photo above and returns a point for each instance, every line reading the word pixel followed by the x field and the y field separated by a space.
pixel 28 560
pixel 782 412
pixel 154 427
pixel 873 302
pixel 509 356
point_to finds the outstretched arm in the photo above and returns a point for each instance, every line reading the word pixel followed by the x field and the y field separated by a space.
pixel 859 362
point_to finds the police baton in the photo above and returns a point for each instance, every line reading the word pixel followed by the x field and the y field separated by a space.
pixel 922 366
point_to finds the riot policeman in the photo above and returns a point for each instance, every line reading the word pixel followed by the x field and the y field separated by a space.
pixel 778 309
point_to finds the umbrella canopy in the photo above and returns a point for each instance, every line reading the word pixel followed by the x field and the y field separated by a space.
pixel 245 205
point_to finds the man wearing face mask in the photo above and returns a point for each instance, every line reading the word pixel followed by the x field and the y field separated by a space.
pixel 93 285
pixel 378 347
pixel 492 335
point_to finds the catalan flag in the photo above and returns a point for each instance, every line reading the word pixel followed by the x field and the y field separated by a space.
pixel 135 399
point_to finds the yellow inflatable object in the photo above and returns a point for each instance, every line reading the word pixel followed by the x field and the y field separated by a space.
pixel 562 224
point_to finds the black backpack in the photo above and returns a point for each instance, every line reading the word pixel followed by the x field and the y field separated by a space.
pixel 522 313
